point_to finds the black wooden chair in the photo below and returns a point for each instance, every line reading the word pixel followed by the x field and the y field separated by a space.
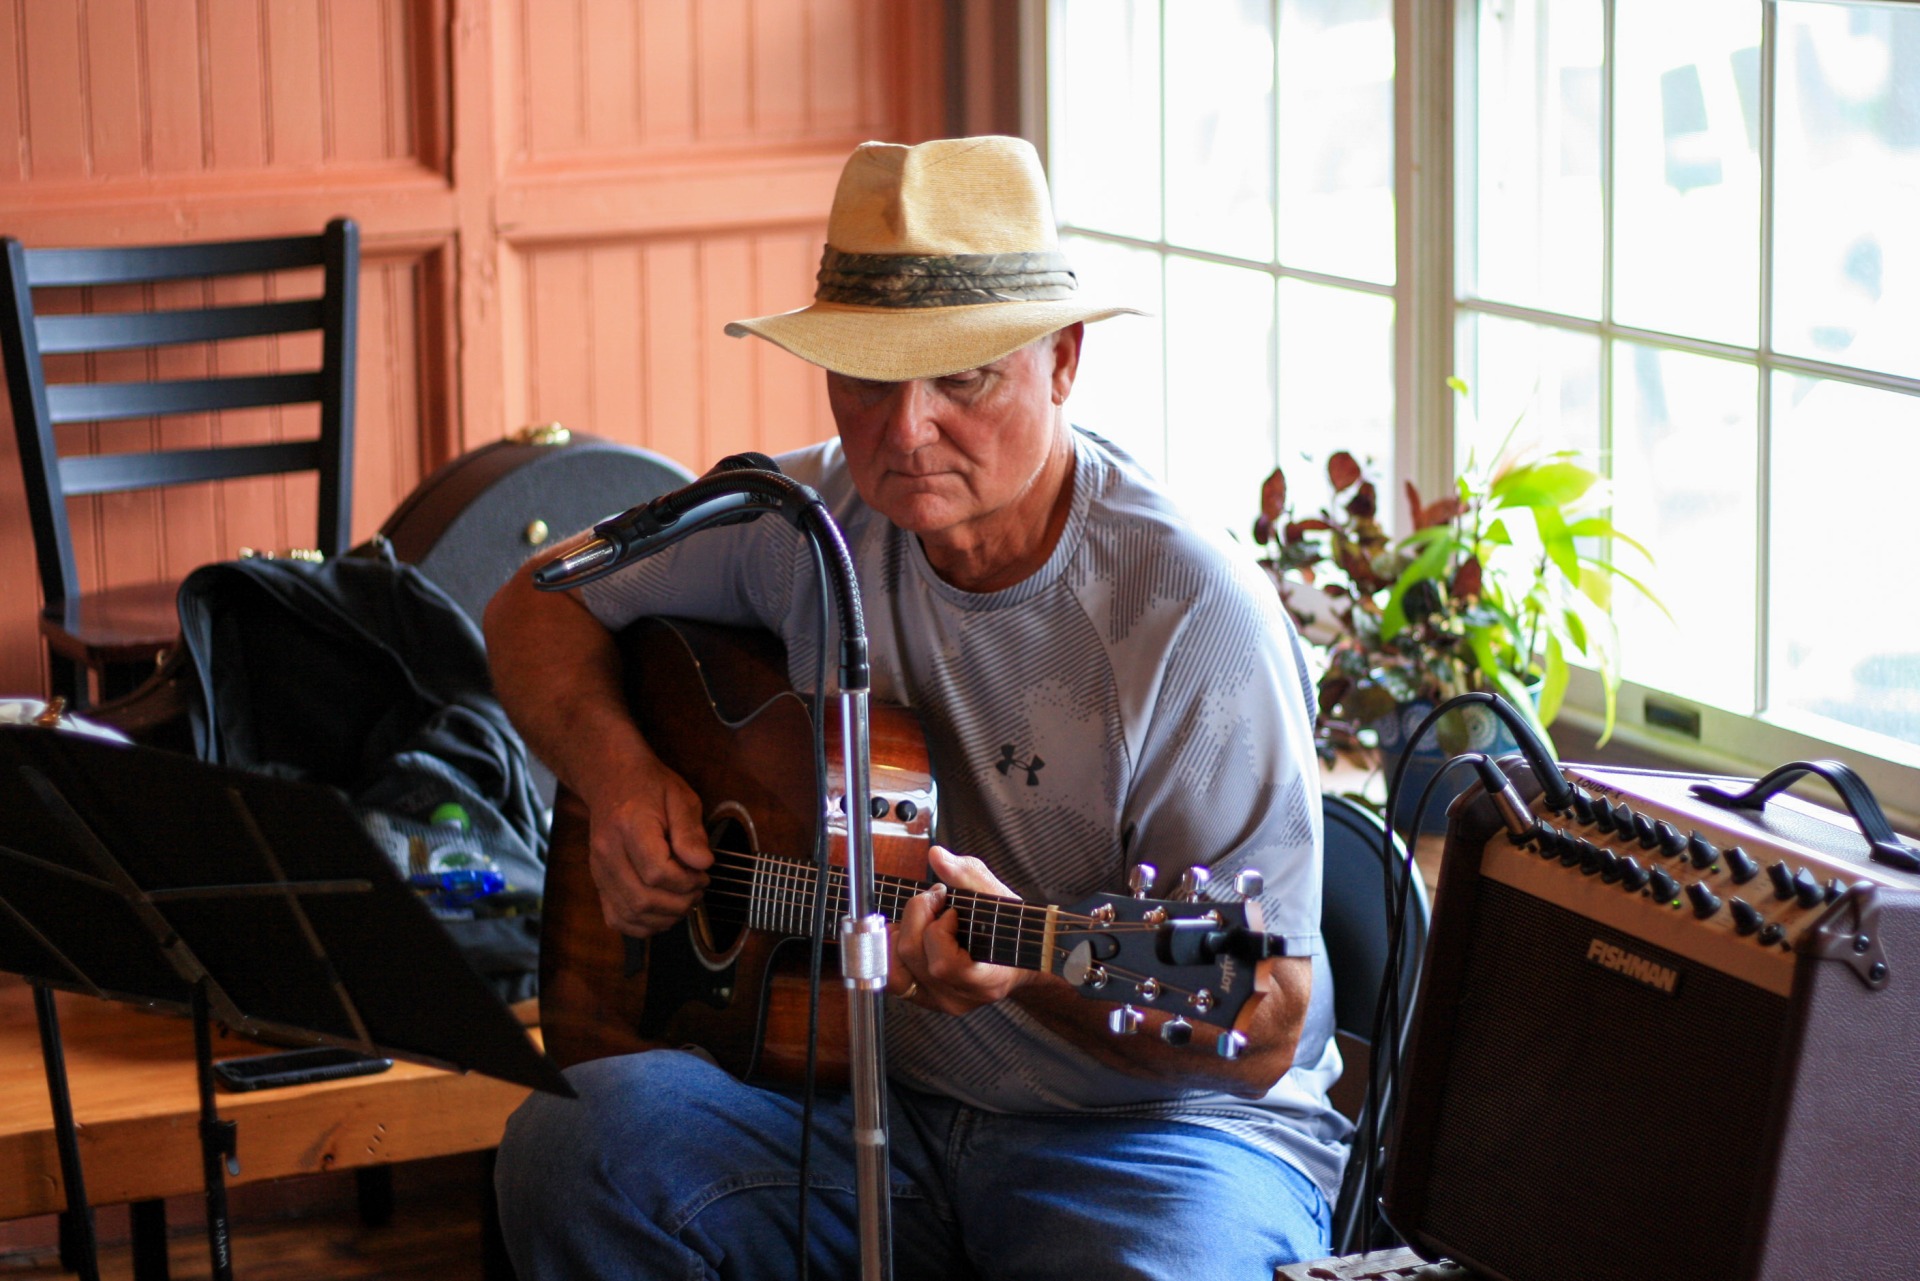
pixel 1354 922
pixel 117 633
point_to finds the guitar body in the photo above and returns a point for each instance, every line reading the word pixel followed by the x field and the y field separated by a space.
pixel 715 705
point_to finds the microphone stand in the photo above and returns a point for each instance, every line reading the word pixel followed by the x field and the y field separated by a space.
pixel 731 493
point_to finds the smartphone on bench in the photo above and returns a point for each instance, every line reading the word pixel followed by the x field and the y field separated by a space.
pixel 295 1067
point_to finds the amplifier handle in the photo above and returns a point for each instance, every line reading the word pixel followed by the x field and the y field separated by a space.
pixel 1887 847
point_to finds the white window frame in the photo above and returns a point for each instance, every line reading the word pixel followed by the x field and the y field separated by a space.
pixel 1434 88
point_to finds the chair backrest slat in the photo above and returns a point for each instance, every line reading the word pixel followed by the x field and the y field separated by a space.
pixel 68 267
pixel 26 275
pixel 99 402
pixel 111 473
pixel 119 330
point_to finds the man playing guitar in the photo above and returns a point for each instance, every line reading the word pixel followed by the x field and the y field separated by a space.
pixel 1099 685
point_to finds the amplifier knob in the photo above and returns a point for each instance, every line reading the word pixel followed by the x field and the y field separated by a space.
pixel 1782 877
pixel 1834 889
pixel 1570 849
pixel 1664 887
pixel 1590 856
pixel 1602 814
pixel 1671 842
pixel 1746 917
pixel 1772 933
pixel 1705 901
pixel 1609 866
pixel 1648 834
pixel 1702 851
pixel 1632 875
pixel 1582 806
pixel 1807 890
pixel 1549 840
pixel 1740 865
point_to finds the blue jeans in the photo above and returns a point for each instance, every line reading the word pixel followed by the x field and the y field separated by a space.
pixel 668 1167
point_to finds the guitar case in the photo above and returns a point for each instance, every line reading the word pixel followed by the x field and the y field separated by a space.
pixel 471 523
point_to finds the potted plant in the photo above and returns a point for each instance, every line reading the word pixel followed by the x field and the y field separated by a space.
pixel 1498 585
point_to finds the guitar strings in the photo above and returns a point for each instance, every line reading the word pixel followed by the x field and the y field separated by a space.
pixel 765 875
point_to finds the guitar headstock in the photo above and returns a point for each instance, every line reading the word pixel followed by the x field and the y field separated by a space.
pixel 1195 959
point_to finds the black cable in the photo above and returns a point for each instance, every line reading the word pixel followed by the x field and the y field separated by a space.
pixel 1389 1023
pixel 817 932
pixel 1396 887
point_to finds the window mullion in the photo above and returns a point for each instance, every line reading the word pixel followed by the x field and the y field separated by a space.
pixel 1763 410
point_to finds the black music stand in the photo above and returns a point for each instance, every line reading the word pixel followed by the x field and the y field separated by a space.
pixel 144 876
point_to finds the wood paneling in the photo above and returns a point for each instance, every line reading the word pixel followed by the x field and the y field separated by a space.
pixel 606 76
pixel 561 201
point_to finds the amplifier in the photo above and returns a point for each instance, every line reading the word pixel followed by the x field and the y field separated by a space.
pixel 1663 1039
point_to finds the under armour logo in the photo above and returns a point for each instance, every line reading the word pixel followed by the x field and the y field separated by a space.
pixel 1008 762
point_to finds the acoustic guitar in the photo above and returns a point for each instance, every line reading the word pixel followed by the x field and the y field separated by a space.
pixel 715 705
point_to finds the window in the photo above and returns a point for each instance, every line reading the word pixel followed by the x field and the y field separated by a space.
pixel 1230 164
pixel 1682 241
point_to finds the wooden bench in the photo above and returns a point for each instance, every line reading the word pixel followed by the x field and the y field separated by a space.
pixel 136 1106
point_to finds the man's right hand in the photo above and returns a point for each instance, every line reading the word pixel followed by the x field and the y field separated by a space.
pixel 647 849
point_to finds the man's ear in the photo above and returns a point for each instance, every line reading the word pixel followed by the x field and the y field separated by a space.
pixel 1066 360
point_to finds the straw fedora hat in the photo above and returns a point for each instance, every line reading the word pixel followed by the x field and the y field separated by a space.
pixel 940 257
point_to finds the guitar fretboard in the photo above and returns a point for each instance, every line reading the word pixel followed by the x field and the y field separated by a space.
pixel 777 894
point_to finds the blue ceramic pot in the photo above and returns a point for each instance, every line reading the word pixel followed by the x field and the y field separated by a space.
pixel 1473 728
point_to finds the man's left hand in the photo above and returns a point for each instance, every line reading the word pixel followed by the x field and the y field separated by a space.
pixel 930 967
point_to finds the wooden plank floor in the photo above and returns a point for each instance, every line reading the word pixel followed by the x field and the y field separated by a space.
pixel 305 1229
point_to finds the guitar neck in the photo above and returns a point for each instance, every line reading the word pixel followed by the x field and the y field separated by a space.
pixel 780 893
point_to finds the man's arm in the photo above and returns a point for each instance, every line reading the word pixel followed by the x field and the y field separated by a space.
pixel 558 674
pixel 927 953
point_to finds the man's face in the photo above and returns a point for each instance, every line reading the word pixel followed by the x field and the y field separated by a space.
pixel 942 455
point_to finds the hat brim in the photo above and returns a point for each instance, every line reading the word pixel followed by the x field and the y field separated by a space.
pixel 896 344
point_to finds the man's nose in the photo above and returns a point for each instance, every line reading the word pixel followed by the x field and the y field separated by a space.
pixel 909 423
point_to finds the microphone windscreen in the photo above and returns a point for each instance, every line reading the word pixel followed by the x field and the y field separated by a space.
pixel 752 459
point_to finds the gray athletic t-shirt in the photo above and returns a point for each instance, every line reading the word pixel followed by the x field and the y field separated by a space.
pixel 1138 699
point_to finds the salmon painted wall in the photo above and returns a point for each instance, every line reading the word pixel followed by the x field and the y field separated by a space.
pixel 561 203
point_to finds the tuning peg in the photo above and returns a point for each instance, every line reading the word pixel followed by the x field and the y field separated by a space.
pixel 1176 1031
pixel 1230 1045
pixel 1140 878
pixel 1192 881
pixel 1125 1021
pixel 1248 883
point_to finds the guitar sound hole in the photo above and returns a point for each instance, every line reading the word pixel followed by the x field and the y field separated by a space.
pixel 725 905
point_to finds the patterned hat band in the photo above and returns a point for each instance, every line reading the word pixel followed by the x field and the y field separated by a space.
pixel 955 280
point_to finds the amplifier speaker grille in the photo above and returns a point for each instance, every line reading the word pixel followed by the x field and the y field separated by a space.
pixel 1623 1123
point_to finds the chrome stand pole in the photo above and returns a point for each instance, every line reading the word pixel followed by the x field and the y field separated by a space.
pixel 863 962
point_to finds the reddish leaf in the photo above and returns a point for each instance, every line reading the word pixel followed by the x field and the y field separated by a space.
pixel 1441 512
pixel 1413 506
pixel 1361 505
pixel 1262 530
pixel 1301 527
pixel 1342 470
pixel 1273 496
pixel 1466 580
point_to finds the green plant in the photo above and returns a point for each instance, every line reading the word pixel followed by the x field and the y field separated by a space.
pixel 1500 583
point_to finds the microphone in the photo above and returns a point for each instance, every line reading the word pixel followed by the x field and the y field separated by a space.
pixel 731 492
